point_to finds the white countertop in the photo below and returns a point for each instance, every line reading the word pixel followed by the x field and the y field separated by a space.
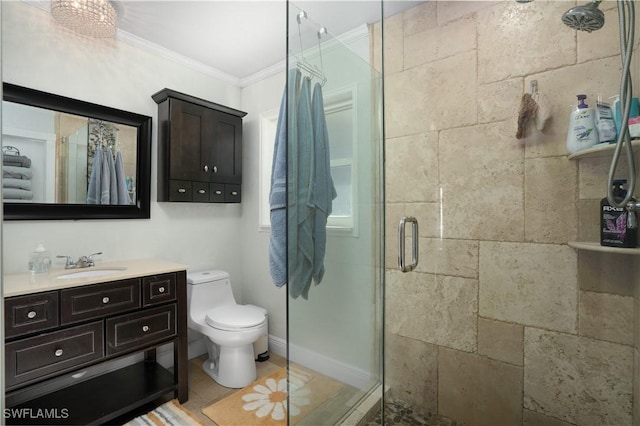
pixel 18 284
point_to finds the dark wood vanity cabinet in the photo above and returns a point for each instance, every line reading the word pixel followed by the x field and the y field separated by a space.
pixel 199 149
pixel 52 336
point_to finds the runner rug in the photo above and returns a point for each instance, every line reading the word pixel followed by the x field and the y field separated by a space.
pixel 264 402
pixel 168 414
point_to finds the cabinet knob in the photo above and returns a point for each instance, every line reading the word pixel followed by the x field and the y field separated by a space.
pixel 234 192
pixel 218 192
pixel 58 352
pixel 182 190
pixel 215 169
pixel 206 168
pixel 161 290
pixel 145 328
pixel 31 314
pixel 105 300
pixel 201 191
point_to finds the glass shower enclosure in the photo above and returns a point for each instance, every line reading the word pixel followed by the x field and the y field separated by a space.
pixel 335 215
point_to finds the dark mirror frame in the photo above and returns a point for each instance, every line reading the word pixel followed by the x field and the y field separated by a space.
pixel 45 211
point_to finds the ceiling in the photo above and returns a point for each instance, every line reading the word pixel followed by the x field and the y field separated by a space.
pixel 235 39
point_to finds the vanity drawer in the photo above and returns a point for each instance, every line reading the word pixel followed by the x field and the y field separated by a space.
pixel 36 357
pixel 127 332
pixel 30 313
pixel 179 190
pixel 98 300
pixel 158 289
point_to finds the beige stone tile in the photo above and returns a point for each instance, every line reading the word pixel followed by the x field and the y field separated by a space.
pixel 500 101
pixel 451 10
pixel 550 186
pixel 561 86
pixel 531 418
pixel 434 96
pixel 516 39
pixel 481 169
pixel 602 43
pixel 606 317
pixel 428 216
pixel 588 220
pixel 420 18
pixel 607 272
pixel 393 213
pixel 594 173
pixel 449 257
pixel 479 391
pixel 636 389
pixel 529 284
pixel 440 42
pixel 591 380
pixel 411 168
pixel 393 44
pixel 411 371
pixel 500 340
pixel 434 309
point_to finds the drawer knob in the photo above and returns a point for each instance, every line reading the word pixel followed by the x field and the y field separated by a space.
pixel 145 328
pixel 205 168
pixel 161 290
pixel 201 191
pixel 234 193
pixel 31 314
pixel 215 169
pixel 182 190
pixel 218 192
pixel 58 352
pixel 105 300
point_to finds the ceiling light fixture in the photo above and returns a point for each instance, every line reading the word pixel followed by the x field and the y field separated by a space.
pixel 93 18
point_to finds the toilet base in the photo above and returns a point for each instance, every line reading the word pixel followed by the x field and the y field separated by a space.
pixel 230 366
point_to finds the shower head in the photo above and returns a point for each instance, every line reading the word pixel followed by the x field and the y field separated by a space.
pixel 584 18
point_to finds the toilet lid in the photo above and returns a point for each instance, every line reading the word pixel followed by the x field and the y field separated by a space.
pixel 235 316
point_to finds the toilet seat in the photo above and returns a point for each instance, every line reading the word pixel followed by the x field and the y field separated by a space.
pixel 235 317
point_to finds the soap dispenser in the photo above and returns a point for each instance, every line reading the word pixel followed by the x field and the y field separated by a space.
pixel 39 260
pixel 582 127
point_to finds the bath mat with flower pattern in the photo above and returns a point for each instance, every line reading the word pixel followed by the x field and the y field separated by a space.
pixel 264 402
pixel 168 414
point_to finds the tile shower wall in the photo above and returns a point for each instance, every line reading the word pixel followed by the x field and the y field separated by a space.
pixel 503 323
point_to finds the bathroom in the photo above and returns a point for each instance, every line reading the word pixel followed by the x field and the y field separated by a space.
pixel 459 341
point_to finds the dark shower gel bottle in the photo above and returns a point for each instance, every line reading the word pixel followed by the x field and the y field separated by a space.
pixel 614 221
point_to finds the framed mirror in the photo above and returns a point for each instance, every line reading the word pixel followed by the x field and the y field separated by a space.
pixel 68 159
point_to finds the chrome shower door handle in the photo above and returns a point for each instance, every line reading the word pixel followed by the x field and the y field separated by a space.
pixel 401 243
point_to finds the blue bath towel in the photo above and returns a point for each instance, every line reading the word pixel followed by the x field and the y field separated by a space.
pixel 95 180
pixel 286 130
pixel 121 179
pixel 300 203
pixel 324 191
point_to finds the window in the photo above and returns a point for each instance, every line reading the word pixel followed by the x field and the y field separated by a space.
pixel 340 112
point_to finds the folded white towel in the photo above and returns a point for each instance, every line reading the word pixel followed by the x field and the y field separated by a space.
pixel 17 172
pixel 16 183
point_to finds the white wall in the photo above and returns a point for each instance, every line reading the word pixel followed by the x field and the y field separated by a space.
pixel 39 54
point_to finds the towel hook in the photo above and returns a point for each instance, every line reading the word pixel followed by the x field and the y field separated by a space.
pixel 321 31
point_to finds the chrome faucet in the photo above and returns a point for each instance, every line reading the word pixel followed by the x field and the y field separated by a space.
pixel 82 262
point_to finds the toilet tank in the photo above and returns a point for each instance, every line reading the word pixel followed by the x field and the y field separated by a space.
pixel 208 289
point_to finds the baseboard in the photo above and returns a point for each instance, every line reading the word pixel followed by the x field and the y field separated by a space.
pixel 337 370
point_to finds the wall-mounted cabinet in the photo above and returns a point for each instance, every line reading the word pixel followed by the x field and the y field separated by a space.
pixel 199 149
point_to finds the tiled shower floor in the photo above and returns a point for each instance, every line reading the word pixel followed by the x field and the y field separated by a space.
pixel 401 413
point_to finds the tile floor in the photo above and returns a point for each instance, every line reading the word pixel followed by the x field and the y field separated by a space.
pixel 204 391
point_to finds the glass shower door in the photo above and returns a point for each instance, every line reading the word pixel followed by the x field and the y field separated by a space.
pixel 334 218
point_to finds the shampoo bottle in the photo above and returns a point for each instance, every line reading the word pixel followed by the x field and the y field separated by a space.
pixel 614 230
pixel 582 127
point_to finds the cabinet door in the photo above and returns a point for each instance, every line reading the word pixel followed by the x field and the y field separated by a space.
pixel 191 127
pixel 226 148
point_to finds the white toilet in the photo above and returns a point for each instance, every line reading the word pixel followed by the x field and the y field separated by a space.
pixel 230 329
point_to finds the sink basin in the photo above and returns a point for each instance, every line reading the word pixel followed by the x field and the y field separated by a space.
pixel 91 273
